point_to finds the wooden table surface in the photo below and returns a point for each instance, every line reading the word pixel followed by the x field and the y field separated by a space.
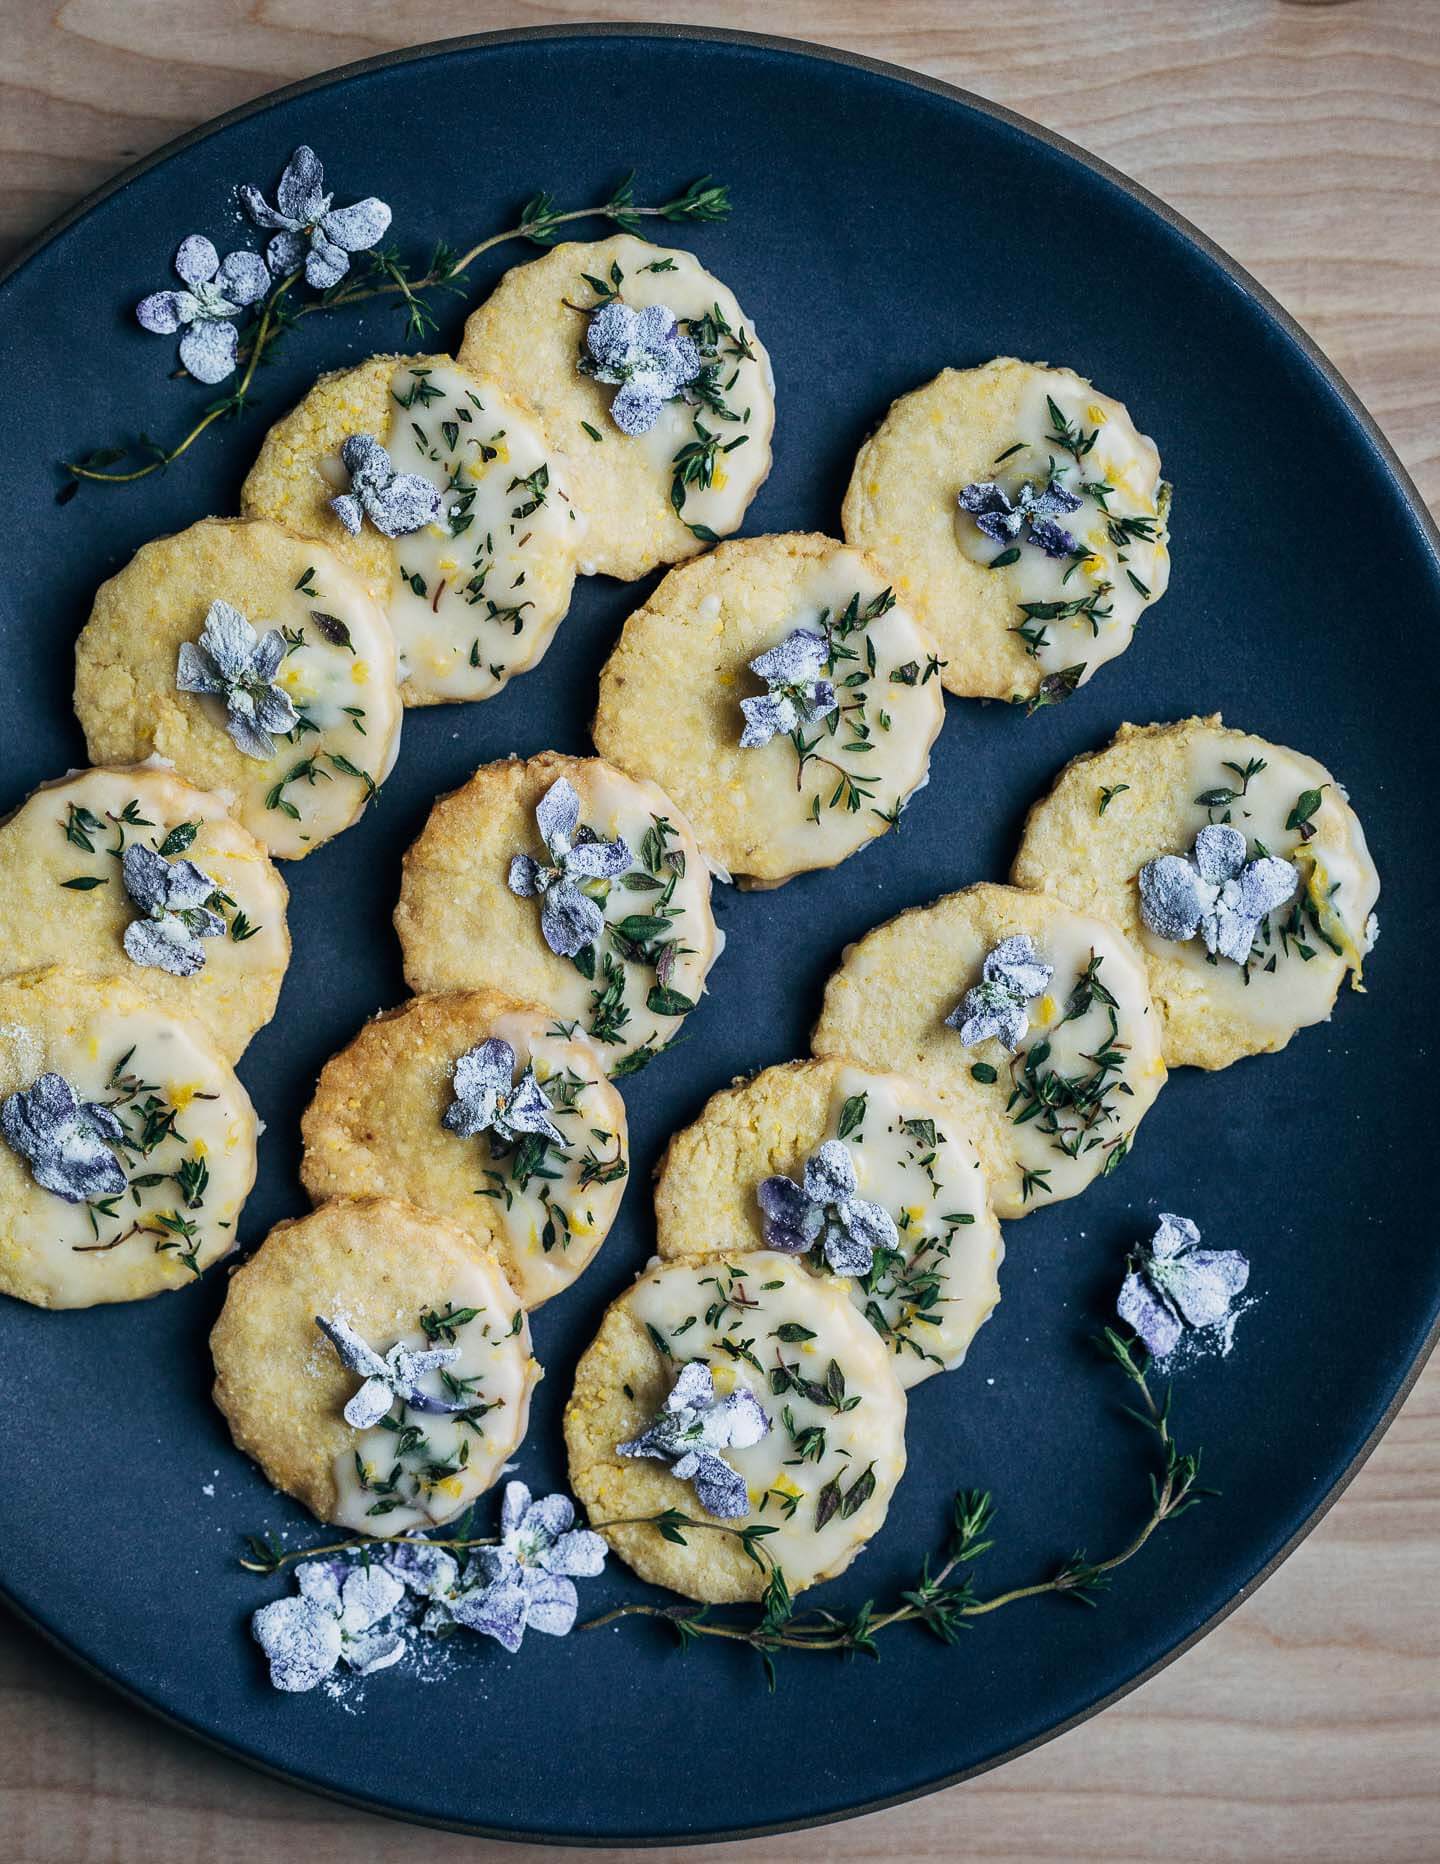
pixel 1305 139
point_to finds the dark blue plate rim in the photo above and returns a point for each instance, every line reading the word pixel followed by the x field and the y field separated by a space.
pixel 1338 386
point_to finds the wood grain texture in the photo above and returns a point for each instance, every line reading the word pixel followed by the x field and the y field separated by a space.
pixel 1304 138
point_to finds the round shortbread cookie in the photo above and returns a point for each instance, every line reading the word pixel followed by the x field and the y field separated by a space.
pixel 1027 607
pixel 1058 1107
pixel 64 895
pixel 475 593
pixel 392 1277
pixel 395 1115
pixel 821 1476
pixel 929 1290
pixel 649 497
pixel 679 692
pixel 127 1146
pixel 335 677
pixel 463 927
pixel 1147 796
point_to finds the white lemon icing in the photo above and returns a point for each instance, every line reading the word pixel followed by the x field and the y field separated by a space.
pixel 476 596
pixel 189 1171
pixel 390 1482
pixel 1123 575
pixel 731 1313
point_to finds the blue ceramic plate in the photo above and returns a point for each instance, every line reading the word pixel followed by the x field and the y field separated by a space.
pixel 884 226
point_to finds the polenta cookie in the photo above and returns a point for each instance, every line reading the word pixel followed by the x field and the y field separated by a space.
pixel 1236 866
pixel 567 884
pixel 860 1175
pixel 482 1110
pixel 127 1146
pixel 1024 515
pixel 777 690
pixel 376 1363
pixel 132 872
pixel 445 497
pixel 649 377
pixel 742 1391
pixel 254 661
pixel 1033 1021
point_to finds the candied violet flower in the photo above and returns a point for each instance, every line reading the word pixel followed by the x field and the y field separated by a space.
pixel 238 665
pixel 646 353
pixel 989 504
pixel 65 1141
pixel 308 228
pixel 795 694
pixel 1012 975
pixel 692 1425
pixel 1215 892
pixel 396 503
pixel 340 1616
pixel 397 1375
pixel 488 1098
pixel 216 290
pixel 823 1210
pixel 172 896
pixel 569 919
pixel 1176 1285
pixel 527 1582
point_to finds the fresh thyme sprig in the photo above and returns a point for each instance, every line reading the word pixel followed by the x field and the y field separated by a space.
pixel 383 273
pixel 943 1600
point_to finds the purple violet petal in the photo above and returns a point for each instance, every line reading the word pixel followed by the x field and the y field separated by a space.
pixel 163 312
pixel 208 351
pixel 1171 902
pixel 1149 1315
pixel 569 921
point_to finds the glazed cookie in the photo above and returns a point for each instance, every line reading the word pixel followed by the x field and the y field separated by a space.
pixel 1236 866
pixel 444 496
pixel 258 664
pixel 130 871
pixel 743 1391
pixel 1024 516
pixel 1032 1021
pixel 863 1176
pixel 478 1108
pixel 570 885
pixel 127 1146
pixel 781 695
pixel 648 377
pixel 376 1364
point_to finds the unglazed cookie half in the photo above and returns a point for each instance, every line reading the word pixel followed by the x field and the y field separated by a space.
pixel 1048 1110
pixel 1023 515
pixel 390 1276
pixel 127 1146
pixel 775 792
pixel 658 495
pixel 1144 800
pixel 64 896
pixel 766 1327
pixel 463 926
pixel 399 1113
pixel 927 1292
pixel 475 594
pixel 311 652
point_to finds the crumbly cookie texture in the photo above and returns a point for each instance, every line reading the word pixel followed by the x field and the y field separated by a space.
pixel 928 1297
pixel 391 1274
pixel 729 1312
pixel 340 675
pixel 671 692
pixel 1091 1025
pixel 1160 785
pixel 462 928
pixel 995 426
pixel 376 1127
pixel 178 1151
pixel 76 830
pixel 528 335
pixel 475 596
